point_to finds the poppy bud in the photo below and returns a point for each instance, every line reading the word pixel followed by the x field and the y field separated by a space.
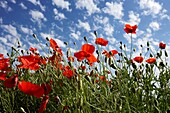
pixel 95 33
pixel 120 47
pixel 66 43
pixel 105 59
pixel 166 54
pixel 141 45
pixel 161 64
pixel 85 39
pixel 113 66
pixel 47 39
pixel 151 55
pixel 34 35
pixel 97 52
pixel 148 44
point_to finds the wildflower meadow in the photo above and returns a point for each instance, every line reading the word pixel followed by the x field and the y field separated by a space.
pixel 91 80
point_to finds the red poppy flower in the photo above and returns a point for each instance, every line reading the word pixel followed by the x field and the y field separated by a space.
pixel 102 78
pixel 91 59
pixel 43 104
pixel 3 76
pixel 33 49
pixel 68 72
pixel 4 64
pixel 151 60
pixel 83 67
pixel 47 88
pixel 29 62
pixel 88 48
pixel 138 59
pixel 109 54
pixel 11 82
pixel 31 89
pixel 86 52
pixel 1 56
pixel 162 45
pixel 53 44
pixel 130 29
pixel 101 41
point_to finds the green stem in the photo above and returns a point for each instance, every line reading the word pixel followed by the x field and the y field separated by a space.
pixel 131 47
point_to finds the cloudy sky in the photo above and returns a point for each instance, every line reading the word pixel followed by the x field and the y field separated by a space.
pixel 71 20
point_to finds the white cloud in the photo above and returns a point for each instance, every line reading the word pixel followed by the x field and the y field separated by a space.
pixel 114 9
pixel 58 16
pixel 89 5
pixel 133 18
pixel 37 2
pixel 112 40
pixel 37 16
pixel 62 3
pixel 13 1
pixel 60 43
pixel 101 19
pixel 84 25
pixel 1 20
pixel 44 35
pixel 75 35
pixel 11 30
pixel 23 6
pixel 108 29
pixel 3 49
pixel 150 7
pixel 2 39
pixel 26 30
pixel 4 4
pixel 154 25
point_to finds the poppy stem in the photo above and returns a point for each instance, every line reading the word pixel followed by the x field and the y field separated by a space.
pixel 131 47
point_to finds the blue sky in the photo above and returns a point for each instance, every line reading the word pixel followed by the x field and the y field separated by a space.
pixel 71 20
